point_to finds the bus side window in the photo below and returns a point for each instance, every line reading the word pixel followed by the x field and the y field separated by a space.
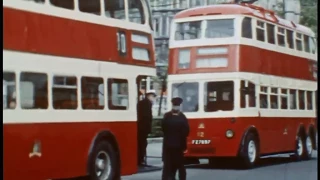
pixel 302 100
pixel 9 90
pixel 264 97
pixel 118 94
pixel 270 33
pixel 64 92
pixel 67 4
pixel 309 100
pixel 313 46
pixel 299 41
pixel 92 92
pixel 247 91
pixel 33 90
pixel 260 28
pixel 115 9
pixel 136 11
pixel 306 43
pixel 274 98
pixel 293 99
pixel 281 37
pixel 92 6
pixel 290 39
pixel 247 28
pixel 284 98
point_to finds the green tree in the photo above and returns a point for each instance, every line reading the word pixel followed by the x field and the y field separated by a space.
pixel 309 14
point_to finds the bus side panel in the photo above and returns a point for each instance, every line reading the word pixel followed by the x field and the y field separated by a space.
pixel 64 148
pixel 271 134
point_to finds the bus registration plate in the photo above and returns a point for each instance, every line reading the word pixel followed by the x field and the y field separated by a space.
pixel 201 141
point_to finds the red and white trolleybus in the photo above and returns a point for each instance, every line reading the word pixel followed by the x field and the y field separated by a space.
pixel 248 79
pixel 71 74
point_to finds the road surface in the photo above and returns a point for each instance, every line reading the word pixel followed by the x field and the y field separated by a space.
pixel 279 168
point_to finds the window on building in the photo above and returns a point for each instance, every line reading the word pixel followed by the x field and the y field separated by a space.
pixel 118 94
pixel 115 9
pixel 247 28
pixel 260 31
pixel 220 28
pixel 264 100
pixel 302 100
pixel 194 3
pixel 92 6
pixel 309 100
pixel 274 98
pixel 188 30
pixel 9 90
pixel 136 11
pixel 299 41
pixel 290 39
pixel 33 90
pixel 306 43
pixel 281 37
pixel 247 94
pixel 189 92
pixel 219 96
pixel 92 93
pixel 64 92
pixel 157 25
pixel 284 98
pixel 270 33
pixel 67 4
pixel 168 23
pixel 293 99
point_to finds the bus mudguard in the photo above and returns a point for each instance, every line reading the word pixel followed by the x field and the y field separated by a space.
pixel 250 129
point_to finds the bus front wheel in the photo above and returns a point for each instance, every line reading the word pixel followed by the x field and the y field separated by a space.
pixel 250 153
pixel 103 162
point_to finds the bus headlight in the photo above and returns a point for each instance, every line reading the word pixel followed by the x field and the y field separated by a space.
pixel 229 133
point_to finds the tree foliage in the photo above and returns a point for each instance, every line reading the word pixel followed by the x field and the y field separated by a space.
pixel 309 14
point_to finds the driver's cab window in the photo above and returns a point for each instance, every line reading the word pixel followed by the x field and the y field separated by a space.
pixel 219 96
pixel 189 92
pixel 118 94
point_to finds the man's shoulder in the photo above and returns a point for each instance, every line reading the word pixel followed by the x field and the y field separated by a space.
pixel 167 114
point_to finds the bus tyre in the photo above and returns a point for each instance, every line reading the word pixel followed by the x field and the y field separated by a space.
pixel 250 153
pixel 103 162
pixel 300 148
pixel 308 145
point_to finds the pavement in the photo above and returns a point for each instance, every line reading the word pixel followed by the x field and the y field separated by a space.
pixel 277 168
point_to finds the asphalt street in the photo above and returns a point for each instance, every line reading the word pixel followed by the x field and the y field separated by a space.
pixel 277 168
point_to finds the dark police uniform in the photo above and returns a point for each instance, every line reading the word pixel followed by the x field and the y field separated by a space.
pixel 175 128
pixel 144 111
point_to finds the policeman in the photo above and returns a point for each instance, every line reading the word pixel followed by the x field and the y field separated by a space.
pixel 144 111
pixel 175 128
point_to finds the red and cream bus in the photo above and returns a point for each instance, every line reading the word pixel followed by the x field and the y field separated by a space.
pixel 248 79
pixel 71 71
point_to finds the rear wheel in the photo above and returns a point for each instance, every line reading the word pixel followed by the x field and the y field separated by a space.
pixel 103 162
pixel 250 153
pixel 308 147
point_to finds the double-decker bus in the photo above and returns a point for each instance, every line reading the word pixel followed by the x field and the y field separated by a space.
pixel 71 76
pixel 248 80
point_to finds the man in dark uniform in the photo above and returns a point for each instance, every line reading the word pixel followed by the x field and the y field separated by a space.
pixel 175 128
pixel 144 111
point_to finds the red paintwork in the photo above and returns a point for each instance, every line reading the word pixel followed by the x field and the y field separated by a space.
pixel 244 9
pixel 43 34
pixel 64 147
pixel 270 133
pixel 240 58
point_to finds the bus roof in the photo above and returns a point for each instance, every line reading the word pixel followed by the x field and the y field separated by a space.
pixel 242 9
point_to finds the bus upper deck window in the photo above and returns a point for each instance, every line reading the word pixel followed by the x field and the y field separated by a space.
pixel 92 6
pixel 115 9
pixel 220 28
pixel 188 30
pixel 290 39
pixel 270 33
pixel 136 12
pixel 247 28
pixel 260 31
pixel 67 4
pixel 306 43
pixel 313 46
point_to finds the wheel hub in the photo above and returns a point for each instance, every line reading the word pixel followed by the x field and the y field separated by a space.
pixel 103 165
pixel 252 151
pixel 309 145
pixel 300 146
